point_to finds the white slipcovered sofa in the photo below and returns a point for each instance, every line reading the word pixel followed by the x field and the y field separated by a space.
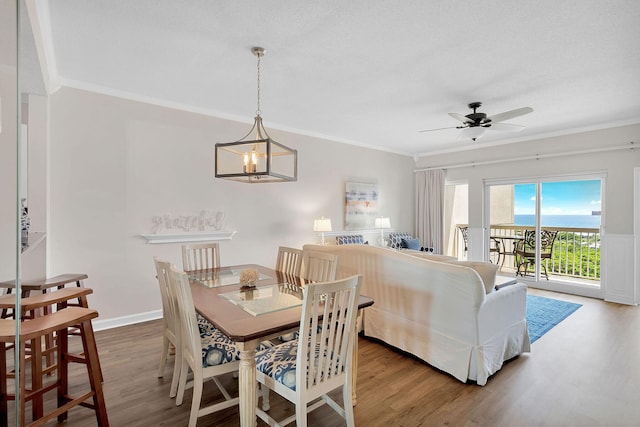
pixel 439 311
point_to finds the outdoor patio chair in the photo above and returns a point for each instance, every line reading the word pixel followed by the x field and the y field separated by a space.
pixel 494 248
pixel 525 250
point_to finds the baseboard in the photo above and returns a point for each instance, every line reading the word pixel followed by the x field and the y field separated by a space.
pixel 620 299
pixel 101 325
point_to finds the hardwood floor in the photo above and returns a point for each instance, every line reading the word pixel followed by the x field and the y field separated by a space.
pixel 584 372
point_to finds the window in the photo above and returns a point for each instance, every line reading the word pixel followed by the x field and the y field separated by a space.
pixel 547 230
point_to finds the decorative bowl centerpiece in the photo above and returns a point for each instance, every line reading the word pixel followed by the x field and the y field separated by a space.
pixel 248 278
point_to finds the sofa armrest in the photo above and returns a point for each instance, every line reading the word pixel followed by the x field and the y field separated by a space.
pixel 486 270
pixel 501 309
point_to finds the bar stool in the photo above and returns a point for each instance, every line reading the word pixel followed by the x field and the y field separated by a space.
pixel 33 331
pixel 42 286
pixel 30 307
pixel 61 298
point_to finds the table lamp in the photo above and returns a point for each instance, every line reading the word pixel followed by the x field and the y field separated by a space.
pixel 321 225
pixel 382 223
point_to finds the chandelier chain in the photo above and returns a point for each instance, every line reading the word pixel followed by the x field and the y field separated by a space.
pixel 258 110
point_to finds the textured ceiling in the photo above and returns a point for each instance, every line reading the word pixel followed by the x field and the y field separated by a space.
pixel 366 72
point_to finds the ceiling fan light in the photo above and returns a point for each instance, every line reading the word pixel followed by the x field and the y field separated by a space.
pixel 475 132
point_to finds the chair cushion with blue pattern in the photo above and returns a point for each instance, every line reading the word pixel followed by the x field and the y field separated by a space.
pixel 355 239
pixel 217 348
pixel 289 337
pixel 203 324
pixel 279 362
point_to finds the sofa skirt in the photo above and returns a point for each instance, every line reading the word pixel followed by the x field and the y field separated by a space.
pixel 463 360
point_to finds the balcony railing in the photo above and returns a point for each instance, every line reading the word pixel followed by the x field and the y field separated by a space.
pixel 575 254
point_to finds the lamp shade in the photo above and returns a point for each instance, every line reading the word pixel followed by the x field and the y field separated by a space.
pixel 382 223
pixel 472 132
pixel 322 224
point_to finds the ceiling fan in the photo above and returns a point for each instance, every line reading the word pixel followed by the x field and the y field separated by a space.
pixel 475 124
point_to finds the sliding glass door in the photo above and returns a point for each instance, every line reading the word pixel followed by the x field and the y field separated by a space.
pixel 546 231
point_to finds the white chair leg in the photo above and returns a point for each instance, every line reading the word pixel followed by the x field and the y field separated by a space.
pixel 265 397
pixel 163 356
pixel 184 371
pixel 195 402
pixel 176 373
pixel 347 401
pixel 301 415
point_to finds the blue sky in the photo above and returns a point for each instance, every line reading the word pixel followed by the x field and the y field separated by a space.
pixel 559 198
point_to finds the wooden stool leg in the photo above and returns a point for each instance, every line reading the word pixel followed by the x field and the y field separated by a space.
pixel 93 368
pixel 82 302
pixel 49 338
pixel 4 411
pixel 62 341
pixel 21 392
pixel 36 377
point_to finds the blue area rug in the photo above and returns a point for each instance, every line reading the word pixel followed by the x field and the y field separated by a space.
pixel 545 313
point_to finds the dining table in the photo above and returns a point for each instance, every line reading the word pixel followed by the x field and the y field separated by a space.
pixel 251 315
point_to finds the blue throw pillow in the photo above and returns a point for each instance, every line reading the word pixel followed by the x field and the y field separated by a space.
pixel 411 244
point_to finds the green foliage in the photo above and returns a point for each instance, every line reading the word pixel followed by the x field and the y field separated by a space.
pixel 576 255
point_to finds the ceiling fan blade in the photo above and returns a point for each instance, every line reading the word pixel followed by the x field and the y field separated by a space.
pixel 500 117
pixel 463 119
pixel 506 126
pixel 431 130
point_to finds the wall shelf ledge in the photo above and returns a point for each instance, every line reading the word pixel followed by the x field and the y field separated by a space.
pixel 186 237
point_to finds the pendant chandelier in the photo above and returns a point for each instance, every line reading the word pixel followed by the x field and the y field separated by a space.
pixel 257 157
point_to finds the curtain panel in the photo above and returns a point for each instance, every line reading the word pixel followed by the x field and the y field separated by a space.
pixel 430 208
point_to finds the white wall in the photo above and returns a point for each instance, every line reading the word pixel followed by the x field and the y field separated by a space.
pixel 115 163
pixel 618 165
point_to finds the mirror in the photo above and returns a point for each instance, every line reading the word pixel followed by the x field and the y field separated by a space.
pixel 9 146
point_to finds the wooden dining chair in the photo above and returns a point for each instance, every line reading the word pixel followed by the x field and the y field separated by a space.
pixel 170 324
pixel 289 260
pixel 321 360
pixel 319 266
pixel 207 354
pixel 200 256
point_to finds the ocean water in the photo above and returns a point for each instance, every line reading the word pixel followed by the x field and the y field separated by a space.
pixel 576 221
